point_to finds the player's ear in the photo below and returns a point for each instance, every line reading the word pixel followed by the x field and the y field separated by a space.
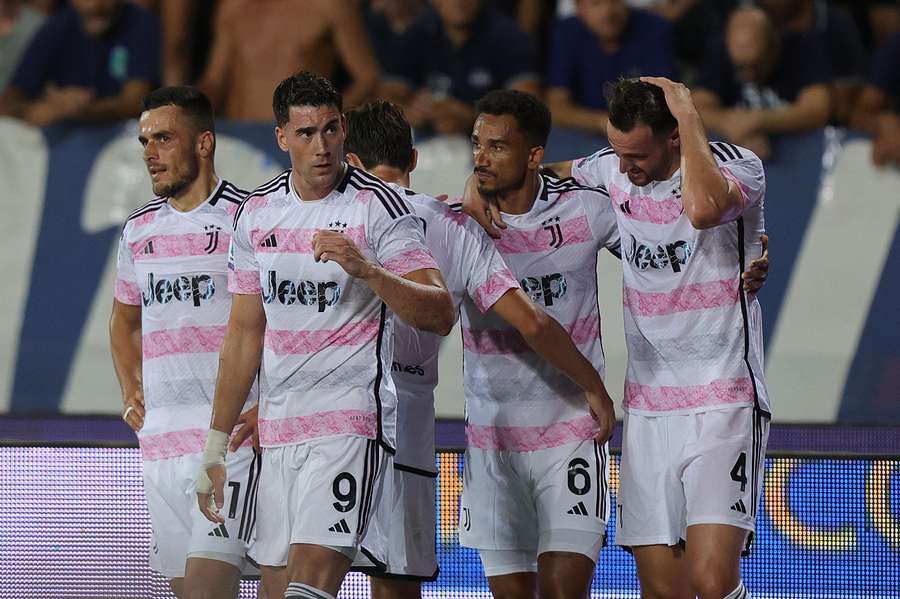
pixel 675 138
pixel 281 138
pixel 354 160
pixel 206 144
pixel 413 160
pixel 535 157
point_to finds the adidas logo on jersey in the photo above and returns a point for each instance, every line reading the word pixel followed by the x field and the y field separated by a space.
pixel 578 509
pixel 340 526
pixel 219 531
pixel 739 507
pixel 269 242
pixel 148 249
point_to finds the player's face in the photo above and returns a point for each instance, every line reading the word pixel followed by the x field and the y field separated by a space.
pixel 457 13
pixel 643 157
pixel 313 137
pixel 501 154
pixel 170 150
pixel 97 16
pixel 606 18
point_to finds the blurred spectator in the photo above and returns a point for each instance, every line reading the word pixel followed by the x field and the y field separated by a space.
pixel 841 38
pixel 452 56
pixel 257 43
pixel 92 62
pixel 756 82
pixel 186 37
pixel 18 23
pixel 386 22
pixel 877 20
pixel 878 110
pixel 604 41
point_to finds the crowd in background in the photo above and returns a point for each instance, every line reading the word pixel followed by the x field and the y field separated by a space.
pixel 757 69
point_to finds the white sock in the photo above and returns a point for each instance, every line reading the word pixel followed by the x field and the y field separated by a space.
pixel 739 593
pixel 298 590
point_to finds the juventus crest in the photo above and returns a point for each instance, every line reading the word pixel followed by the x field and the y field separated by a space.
pixel 212 236
pixel 556 236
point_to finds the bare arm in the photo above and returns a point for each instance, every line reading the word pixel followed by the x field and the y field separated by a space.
pixel 13 103
pixel 710 108
pixel 709 198
pixel 567 113
pixel 239 360
pixel 125 344
pixel 420 297
pixel 356 54
pixel 176 17
pixel 124 106
pixel 872 103
pixel 547 337
pixel 214 81
pixel 809 111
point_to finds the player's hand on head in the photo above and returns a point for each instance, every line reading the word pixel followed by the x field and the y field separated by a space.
pixel 249 422
pixel 678 96
pixel 133 410
pixel 486 213
pixel 604 413
pixel 755 276
pixel 337 247
pixel 210 483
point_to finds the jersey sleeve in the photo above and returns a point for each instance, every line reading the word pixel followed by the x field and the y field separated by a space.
pixel 602 217
pixel 243 267
pixel 483 268
pixel 747 173
pixel 397 236
pixel 127 290
pixel 590 169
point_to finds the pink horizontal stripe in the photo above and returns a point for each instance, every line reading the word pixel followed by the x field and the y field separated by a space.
pixel 283 342
pixel 128 292
pixel 186 340
pixel 663 399
pixel 254 203
pixel 144 219
pixel 245 282
pixel 530 438
pixel 645 208
pixel 696 296
pixel 745 191
pixel 575 230
pixel 188 244
pixel 175 444
pixel 300 241
pixel 300 428
pixel 509 341
pixel 406 262
pixel 498 283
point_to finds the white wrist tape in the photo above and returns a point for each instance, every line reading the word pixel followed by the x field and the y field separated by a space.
pixel 213 454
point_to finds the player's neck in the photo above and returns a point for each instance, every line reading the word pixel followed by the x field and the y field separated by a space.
pixel 197 192
pixel 520 201
pixel 307 192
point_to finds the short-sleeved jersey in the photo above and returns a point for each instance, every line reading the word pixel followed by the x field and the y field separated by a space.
pixel 174 266
pixel 475 273
pixel 326 367
pixel 694 337
pixel 515 400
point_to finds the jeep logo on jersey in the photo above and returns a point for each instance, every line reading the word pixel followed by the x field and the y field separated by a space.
pixel 308 293
pixel 193 289
pixel 675 255
pixel 552 225
pixel 545 289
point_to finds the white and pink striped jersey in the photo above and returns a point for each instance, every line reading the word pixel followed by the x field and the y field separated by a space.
pixel 515 400
pixel 476 274
pixel 174 266
pixel 694 337
pixel 326 367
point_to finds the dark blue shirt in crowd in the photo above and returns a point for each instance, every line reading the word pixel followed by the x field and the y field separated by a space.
pixel 885 73
pixel 841 36
pixel 579 64
pixel 61 53
pixel 495 56
pixel 802 62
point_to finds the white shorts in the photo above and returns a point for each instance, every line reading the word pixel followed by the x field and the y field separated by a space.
pixel 686 469
pixel 181 531
pixel 320 492
pixel 404 523
pixel 526 501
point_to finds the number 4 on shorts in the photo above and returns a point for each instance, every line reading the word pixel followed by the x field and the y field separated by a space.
pixel 739 471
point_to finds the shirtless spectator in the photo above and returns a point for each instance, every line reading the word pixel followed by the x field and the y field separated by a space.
pixel 878 109
pixel 257 43
pixel 93 61
pixel 756 83
pixel 453 55
pixel 604 41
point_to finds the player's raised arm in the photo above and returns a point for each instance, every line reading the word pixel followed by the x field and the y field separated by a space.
pixel 709 198
pixel 549 339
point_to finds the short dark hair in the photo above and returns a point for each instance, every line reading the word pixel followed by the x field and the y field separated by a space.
pixel 303 89
pixel 379 134
pixel 632 102
pixel 190 100
pixel 532 116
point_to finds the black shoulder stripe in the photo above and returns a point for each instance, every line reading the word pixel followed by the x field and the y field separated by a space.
pixel 391 201
pixel 392 194
pixel 606 152
pixel 718 154
pixel 456 207
pixel 150 206
pixel 267 187
pixel 378 194
pixel 570 184
pixel 734 148
pixel 725 150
